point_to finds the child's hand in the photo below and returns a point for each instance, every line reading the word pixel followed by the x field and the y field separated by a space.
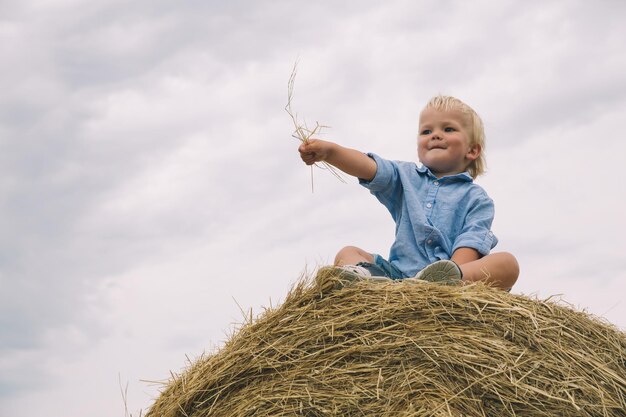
pixel 348 160
pixel 314 150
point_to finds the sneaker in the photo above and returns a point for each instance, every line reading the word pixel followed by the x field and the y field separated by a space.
pixel 361 271
pixel 356 270
pixel 442 272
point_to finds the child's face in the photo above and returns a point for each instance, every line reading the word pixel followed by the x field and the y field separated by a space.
pixel 443 144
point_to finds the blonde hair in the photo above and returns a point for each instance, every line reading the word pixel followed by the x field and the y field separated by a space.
pixel 477 129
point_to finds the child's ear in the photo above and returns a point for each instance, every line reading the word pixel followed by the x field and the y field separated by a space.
pixel 474 152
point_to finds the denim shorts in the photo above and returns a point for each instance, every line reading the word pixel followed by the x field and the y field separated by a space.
pixel 390 270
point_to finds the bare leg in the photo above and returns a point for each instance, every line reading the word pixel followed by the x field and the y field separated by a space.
pixel 500 269
pixel 351 255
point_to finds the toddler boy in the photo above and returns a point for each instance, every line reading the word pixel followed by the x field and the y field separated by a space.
pixel 443 219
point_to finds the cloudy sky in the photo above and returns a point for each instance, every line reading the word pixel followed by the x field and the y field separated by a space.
pixel 150 189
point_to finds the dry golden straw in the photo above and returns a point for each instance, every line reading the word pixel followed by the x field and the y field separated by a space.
pixel 402 349
pixel 302 132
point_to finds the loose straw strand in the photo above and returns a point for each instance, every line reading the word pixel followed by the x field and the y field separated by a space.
pixel 302 132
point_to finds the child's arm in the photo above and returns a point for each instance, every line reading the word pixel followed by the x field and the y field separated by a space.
pixel 465 255
pixel 350 161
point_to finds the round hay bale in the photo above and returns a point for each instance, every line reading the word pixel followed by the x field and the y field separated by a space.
pixel 401 349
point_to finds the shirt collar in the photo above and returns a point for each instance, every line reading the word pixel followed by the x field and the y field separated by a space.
pixel 463 176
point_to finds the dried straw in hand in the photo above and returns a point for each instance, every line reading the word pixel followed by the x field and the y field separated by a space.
pixel 302 132
pixel 402 349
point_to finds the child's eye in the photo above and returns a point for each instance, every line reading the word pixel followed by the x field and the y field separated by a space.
pixel 426 132
pixel 449 129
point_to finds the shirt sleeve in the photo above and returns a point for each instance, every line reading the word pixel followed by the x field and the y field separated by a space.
pixel 476 232
pixel 385 185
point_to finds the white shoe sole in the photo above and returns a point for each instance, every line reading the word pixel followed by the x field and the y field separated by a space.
pixel 443 272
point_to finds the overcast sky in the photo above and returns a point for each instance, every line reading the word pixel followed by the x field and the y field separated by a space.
pixel 150 187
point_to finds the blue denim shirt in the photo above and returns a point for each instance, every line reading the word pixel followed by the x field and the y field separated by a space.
pixel 433 216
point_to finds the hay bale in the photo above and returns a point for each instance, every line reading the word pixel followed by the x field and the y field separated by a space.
pixel 400 349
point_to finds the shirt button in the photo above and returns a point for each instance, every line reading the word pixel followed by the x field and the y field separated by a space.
pixel 436 182
pixel 429 241
pixel 429 205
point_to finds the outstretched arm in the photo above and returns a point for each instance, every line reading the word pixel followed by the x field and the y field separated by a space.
pixel 350 161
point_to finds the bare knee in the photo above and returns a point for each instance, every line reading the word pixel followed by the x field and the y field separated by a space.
pixel 511 264
pixel 509 267
pixel 351 255
pixel 500 269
